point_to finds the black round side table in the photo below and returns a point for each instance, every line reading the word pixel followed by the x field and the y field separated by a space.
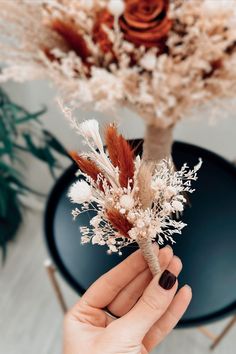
pixel 207 246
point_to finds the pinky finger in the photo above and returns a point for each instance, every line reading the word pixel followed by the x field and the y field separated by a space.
pixel 170 318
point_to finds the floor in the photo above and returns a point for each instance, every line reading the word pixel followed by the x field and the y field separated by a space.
pixel 30 318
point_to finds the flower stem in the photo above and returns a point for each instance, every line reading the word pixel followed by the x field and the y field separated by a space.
pixel 149 255
pixel 157 143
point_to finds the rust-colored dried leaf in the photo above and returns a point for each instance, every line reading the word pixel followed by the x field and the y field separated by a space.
pixel 49 54
pixel 104 18
pixel 121 154
pixel 119 222
pixel 88 167
pixel 112 143
pixel 72 37
pixel 126 162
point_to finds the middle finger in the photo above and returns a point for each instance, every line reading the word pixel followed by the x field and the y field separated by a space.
pixel 129 295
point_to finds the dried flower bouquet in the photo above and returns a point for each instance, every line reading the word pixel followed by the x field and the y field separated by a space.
pixel 135 200
pixel 161 58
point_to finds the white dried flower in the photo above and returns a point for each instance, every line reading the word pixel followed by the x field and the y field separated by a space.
pixel 133 234
pixel 219 5
pixel 116 7
pixel 167 207
pixel 131 216
pixel 178 206
pixel 122 210
pixel 127 202
pixel 89 129
pixel 85 239
pixel 113 248
pixel 95 221
pixel 112 240
pixel 157 228
pixel 95 239
pixel 148 61
pixel 158 184
pixel 170 192
pixel 80 192
pixel 140 223
pixel 127 46
pixel 88 4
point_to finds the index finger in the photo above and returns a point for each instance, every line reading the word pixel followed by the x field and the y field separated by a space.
pixel 106 288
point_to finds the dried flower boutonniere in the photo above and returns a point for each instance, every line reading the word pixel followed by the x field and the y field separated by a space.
pixel 134 200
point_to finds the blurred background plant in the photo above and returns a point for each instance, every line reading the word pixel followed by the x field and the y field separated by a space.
pixel 20 131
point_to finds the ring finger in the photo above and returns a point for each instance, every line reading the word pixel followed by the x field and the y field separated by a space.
pixel 129 295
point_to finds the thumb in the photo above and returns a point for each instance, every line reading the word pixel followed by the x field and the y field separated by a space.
pixel 151 305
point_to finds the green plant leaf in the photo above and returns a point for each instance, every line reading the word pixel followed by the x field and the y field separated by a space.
pixel 14 122
pixel 31 116
pixel 3 151
pixel 10 223
pixel 5 137
pixel 55 144
pixel 42 153
pixel 3 201
pixel 6 169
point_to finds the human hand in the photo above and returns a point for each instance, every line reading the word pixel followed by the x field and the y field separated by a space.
pixel 147 312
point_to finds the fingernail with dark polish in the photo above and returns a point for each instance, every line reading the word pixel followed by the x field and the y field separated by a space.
pixel 167 280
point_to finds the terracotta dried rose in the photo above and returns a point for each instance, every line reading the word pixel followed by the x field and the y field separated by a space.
pixel 146 22
pixel 143 23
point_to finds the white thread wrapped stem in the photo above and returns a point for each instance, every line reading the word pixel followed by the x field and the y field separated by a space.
pixel 157 143
pixel 149 255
